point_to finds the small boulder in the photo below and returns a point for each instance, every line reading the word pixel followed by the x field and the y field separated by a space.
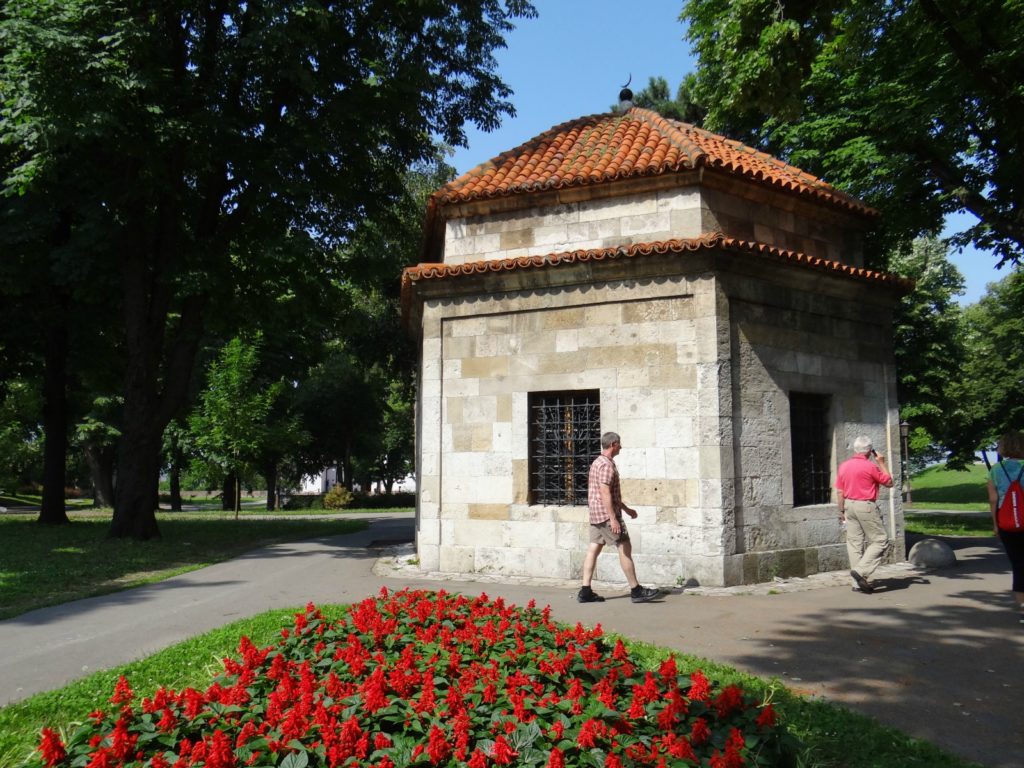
pixel 932 553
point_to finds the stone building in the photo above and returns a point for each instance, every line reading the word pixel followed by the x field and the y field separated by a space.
pixel 708 302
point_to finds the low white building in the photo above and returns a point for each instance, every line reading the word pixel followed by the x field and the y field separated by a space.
pixel 706 301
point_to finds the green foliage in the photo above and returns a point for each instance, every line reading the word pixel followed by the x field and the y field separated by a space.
pixel 21 448
pixel 48 565
pixel 988 391
pixel 338 497
pixel 230 428
pixel 929 345
pixel 299 501
pixel 683 107
pixel 173 164
pixel 913 105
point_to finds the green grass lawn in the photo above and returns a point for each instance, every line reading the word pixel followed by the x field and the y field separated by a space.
pixel 44 565
pixel 940 488
pixel 832 736
pixel 949 525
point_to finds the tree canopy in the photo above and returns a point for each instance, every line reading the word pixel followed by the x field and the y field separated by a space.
pixel 916 106
pixel 165 160
pixel 988 390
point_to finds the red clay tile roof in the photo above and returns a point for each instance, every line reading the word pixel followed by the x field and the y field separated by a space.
pixel 638 142
pixel 710 240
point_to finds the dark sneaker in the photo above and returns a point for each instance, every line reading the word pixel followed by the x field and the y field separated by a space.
pixel 864 584
pixel 587 595
pixel 643 594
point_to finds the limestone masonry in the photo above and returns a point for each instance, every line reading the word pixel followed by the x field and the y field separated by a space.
pixel 724 323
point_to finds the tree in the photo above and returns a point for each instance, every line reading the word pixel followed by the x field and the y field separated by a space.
pixel 929 346
pixel 683 107
pixel 20 434
pixel 988 392
pixel 186 142
pixel 916 106
pixel 96 435
pixel 230 429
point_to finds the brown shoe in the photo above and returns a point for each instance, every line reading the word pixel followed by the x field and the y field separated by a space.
pixel 864 584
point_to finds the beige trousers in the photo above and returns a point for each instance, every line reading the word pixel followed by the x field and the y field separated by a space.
pixel 866 539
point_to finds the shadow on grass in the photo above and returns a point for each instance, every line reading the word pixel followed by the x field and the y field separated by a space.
pixel 963 493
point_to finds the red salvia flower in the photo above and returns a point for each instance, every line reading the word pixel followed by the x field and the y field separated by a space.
pixel 123 693
pixel 728 701
pixel 477 760
pixel 122 742
pixel 438 748
pixel 767 717
pixel 700 732
pixel 502 752
pixel 51 747
pixel 668 671
pixel 590 731
pixel 556 759
pixel 373 692
pixel 700 688
pixel 101 759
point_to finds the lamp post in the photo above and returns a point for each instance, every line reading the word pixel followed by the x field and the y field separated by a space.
pixel 905 434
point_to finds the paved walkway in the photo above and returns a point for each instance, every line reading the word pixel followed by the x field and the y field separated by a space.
pixel 938 655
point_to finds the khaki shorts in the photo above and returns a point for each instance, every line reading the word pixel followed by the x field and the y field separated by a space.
pixel 601 533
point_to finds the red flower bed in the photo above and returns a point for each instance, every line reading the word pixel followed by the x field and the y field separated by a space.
pixel 431 679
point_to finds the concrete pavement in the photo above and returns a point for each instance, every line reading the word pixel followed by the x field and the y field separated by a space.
pixel 938 655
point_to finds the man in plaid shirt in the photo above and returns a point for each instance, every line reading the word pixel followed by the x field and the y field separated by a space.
pixel 605 506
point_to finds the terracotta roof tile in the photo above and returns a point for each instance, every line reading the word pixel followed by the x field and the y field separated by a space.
pixel 711 240
pixel 638 142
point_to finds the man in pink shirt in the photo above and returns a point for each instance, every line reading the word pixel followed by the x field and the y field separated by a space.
pixel 857 483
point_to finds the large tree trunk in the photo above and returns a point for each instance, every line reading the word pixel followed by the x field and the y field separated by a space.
pixel 55 417
pixel 101 472
pixel 148 406
pixel 228 494
pixel 138 485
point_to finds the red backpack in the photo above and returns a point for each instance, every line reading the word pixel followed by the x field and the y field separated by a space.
pixel 1010 515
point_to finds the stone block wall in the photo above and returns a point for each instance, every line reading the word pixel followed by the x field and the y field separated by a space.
pixel 786 341
pixel 577 222
pixel 652 350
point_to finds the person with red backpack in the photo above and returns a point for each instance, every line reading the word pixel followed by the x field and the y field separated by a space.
pixel 1006 503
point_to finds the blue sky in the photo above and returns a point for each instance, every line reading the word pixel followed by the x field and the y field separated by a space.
pixel 572 60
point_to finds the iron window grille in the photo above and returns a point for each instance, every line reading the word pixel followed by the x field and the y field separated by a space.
pixel 812 460
pixel 565 437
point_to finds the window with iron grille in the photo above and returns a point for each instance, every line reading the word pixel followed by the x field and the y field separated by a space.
pixel 565 437
pixel 809 433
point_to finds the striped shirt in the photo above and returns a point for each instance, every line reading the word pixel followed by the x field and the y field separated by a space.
pixel 603 472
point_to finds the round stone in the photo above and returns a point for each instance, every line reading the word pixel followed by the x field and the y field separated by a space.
pixel 932 553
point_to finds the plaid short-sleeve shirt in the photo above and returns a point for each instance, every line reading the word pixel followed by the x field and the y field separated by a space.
pixel 603 472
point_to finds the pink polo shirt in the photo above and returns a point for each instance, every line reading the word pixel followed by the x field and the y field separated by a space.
pixel 858 478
